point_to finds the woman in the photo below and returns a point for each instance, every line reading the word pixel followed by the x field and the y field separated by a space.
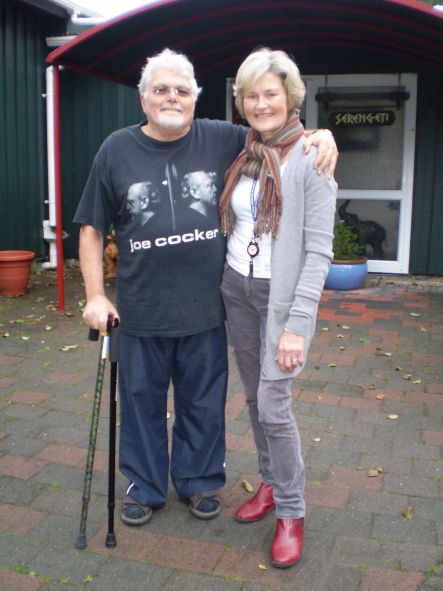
pixel 278 213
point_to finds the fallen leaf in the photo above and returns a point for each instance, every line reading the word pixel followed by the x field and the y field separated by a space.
pixel 316 439
pixel 393 417
pixel 344 327
pixel 408 512
pixel 68 348
pixel 342 348
pixel 380 353
pixel 247 486
pixel 416 381
pixel 262 567
pixel 415 314
pixel 25 338
pixel 332 365
pixel 380 397
pixel 372 473
pixel 408 376
pixel 340 336
pixel 5 334
pixel 48 328
pixel 325 329
pixel 18 321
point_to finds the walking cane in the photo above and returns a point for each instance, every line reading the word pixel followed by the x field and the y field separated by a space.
pixel 80 542
pixel 111 541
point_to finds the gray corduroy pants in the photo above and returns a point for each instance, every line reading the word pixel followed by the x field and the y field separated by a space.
pixel 269 401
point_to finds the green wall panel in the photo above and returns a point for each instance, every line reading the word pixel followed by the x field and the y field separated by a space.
pixel 22 128
pixel 427 217
pixel 90 110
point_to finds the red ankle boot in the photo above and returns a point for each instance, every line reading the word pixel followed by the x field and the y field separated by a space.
pixel 287 545
pixel 258 507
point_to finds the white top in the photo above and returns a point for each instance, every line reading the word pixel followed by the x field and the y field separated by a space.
pixel 237 256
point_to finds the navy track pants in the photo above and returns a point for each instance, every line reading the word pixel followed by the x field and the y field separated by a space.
pixel 198 368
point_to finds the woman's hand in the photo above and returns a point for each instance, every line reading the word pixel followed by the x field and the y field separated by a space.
pixel 291 351
pixel 327 150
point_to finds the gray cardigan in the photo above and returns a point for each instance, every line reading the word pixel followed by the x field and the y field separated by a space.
pixel 301 255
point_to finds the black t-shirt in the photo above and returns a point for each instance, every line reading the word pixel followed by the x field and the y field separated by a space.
pixel 162 198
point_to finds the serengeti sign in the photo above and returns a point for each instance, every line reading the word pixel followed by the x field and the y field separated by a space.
pixel 361 118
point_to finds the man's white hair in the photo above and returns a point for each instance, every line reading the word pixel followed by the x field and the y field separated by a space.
pixel 168 60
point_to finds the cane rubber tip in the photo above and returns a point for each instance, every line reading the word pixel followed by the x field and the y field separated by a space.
pixel 93 334
pixel 111 542
pixel 80 542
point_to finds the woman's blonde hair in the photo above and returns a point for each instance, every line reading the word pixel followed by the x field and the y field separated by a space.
pixel 264 60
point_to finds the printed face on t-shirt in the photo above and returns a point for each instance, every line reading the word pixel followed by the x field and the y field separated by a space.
pixel 199 187
pixel 143 200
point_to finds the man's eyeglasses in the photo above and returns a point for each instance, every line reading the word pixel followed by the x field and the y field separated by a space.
pixel 180 91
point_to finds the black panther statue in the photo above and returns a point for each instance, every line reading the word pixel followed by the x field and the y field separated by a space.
pixel 369 232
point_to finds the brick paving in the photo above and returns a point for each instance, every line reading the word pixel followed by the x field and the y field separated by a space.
pixel 369 405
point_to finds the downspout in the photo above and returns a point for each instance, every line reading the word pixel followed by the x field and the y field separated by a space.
pixel 52 227
pixel 49 224
pixel 58 192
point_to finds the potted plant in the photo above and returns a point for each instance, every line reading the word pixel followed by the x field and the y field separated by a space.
pixel 15 270
pixel 349 267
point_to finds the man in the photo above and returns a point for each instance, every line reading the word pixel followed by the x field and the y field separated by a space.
pixel 168 299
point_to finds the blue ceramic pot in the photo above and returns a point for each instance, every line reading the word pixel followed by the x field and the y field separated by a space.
pixel 345 275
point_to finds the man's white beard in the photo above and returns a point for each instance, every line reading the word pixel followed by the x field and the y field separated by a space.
pixel 171 121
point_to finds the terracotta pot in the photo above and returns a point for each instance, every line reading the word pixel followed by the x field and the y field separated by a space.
pixel 344 275
pixel 15 270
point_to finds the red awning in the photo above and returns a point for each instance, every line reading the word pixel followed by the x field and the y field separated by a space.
pixel 216 33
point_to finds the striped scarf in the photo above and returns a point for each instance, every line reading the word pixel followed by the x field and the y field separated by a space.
pixel 260 161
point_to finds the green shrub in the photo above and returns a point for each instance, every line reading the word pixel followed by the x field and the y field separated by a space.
pixel 346 246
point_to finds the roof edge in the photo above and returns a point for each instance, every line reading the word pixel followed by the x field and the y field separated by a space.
pixel 54 56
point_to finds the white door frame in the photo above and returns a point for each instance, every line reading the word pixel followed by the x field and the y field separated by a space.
pixel 405 195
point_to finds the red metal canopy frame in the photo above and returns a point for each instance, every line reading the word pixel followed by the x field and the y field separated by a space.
pixel 217 33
